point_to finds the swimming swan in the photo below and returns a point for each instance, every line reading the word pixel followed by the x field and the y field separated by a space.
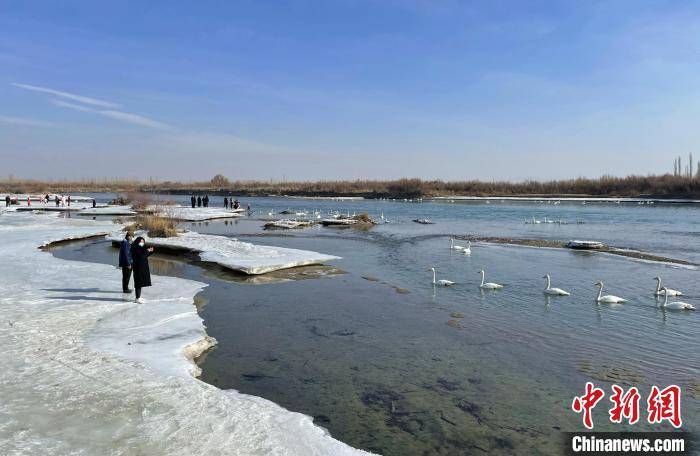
pixel 442 282
pixel 663 290
pixel 488 285
pixel 610 299
pixel 456 247
pixel 553 291
pixel 468 249
pixel 676 305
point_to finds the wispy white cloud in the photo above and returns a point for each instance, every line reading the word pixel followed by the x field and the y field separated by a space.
pixel 135 119
pixel 67 95
pixel 24 122
pixel 116 115
pixel 74 106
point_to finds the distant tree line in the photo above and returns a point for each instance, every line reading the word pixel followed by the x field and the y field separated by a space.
pixel 681 184
pixel 688 170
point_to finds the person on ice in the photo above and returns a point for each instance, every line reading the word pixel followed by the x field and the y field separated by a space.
pixel 199 201
pixel 225 203
pixel 142 274
pixel 125 261
pixel 7 200
pixel 193 200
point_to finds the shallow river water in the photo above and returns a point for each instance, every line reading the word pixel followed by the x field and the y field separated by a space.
pixel 388 363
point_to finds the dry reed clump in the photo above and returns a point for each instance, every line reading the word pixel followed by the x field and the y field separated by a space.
pixel 139 201
pixel 364 218
pixel 155 226
pixel 120 200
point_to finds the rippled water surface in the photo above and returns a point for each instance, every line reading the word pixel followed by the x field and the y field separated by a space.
pixel 389 363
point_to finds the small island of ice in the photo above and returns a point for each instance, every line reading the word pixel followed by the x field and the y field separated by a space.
pixel 239 256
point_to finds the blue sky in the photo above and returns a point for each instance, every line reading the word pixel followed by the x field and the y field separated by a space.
pixel 344 89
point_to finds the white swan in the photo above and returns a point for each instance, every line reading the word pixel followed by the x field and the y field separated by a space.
pixel 663 290
pixel 456 247
pixel 488 285
pixel 610 299
pixel 441 282
pixel 676 305
pixel 553 291
pixel 468 249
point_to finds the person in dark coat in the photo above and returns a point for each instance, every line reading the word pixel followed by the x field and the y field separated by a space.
pixel 225 203
pixel 236 204
pixel 7 200
pixel 58 201
pixel 193 200
pixel 142 274
pixel 205 201
pixel 94 203
pixel 199 201
pixel 125 261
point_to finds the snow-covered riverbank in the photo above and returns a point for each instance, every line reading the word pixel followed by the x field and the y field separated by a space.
pixel 85 372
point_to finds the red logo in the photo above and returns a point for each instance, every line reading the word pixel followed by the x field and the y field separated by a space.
pixel 625 405
pixel 662 405
pixel 665 405
pixel 587 402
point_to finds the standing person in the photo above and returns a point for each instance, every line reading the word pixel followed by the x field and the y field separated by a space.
pixel 7 200
pixel 29 201
pixel 199 201
pixel 206 200
pixel 225 203
pixel 193 200
pixel 46 199
pixel 68 200
pixel 142 274
pixel 57 201
pixel 94 203
pixel 125 261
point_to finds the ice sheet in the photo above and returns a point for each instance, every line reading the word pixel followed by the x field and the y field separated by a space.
pixel 240 256
pixel 108 210
pixel 86 373
pixel 196 214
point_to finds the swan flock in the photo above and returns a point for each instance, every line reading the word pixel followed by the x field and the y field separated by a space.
pixel 553 291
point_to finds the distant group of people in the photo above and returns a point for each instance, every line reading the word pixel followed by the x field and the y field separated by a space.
pixel 229 202
pixel 60 201
pixel 234 203
pixel 199 201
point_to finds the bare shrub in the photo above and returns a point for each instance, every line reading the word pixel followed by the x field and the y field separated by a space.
pixel 139 201
pixel 154 225
pixel 364 218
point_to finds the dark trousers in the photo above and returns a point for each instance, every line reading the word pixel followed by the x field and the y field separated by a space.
pixel 126 276
pixel 138 292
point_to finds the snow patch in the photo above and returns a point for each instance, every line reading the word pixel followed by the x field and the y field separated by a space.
pixel 237 255
pixel 108 210
pixel 194 214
